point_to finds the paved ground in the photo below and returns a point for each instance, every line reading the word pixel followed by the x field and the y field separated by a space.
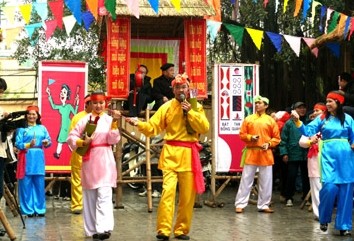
pixel 134 223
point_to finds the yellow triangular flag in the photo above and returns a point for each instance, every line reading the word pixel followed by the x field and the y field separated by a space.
pixel 285 5
pixel 9 12
pixel 11 35
pixel 256 36
pixel 93 7
pixel 176 4
pixel 26 10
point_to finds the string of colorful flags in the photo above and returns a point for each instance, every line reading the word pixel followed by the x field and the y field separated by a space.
pixel 331 20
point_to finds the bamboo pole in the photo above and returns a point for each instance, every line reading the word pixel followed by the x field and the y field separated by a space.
pixel 148 167
pixel 7 226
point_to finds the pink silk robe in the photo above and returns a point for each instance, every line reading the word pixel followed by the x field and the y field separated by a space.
pixel 100 170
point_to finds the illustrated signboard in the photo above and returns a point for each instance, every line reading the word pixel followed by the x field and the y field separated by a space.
pixel 235 85
pixel 62 88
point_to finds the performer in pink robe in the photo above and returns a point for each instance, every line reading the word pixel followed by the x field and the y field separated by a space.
pixel 99 173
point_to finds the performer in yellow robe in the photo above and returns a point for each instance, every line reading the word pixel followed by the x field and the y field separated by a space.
pixel 76 162
pixel 179 159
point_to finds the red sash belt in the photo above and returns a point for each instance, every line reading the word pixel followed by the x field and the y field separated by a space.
pixel 86 157
pixel 196 165
pixel 21 164
pixel 313 151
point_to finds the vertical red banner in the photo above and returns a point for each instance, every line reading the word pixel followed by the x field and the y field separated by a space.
pixel 195 54
pixel 62 88
pixel 118 57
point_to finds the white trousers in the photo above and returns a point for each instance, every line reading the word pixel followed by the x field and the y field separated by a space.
pixel 265 186
pixel 98 210
pixel 315 187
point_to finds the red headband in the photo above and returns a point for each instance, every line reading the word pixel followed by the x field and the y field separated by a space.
pixel 336 96
pixel 320 107
pixel 180 79
pixel 98 97
pixel 33 107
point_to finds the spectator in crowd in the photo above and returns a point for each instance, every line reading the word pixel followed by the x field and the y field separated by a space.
pixel 294 156
pixel 312 161
pixel 3 146
pixel 76 163
pixel 99 172
pixel 179 159
pixel 31 164
pixel 336 162
pixel 162 90
pixel 260 132
pixel 346 85
pixel 140 91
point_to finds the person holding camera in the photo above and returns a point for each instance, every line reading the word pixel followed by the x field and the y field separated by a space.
pixel 31 140
pixel 260 132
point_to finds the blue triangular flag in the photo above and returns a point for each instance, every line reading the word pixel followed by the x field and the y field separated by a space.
pixel 335 48
pixel 276 40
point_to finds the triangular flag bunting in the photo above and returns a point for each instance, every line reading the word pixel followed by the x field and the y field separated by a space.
pixel 285 5
pixel 50 28
pixel 335 48
pixel 9 12
pixel 256 36
pixel 176 4
pixel 313 11
pixel 236 32
pixel 213 28
pixel 69 22
pixel 154 5
pixel 305 8
pixel 133 6
pixel 346 28
pixel 75 7
pixel 351 28
pixel 328 16
pixel 11 35
pixel 295 43
pixel 41 9
pixel 93 7
pixel 309 42
pixel 298 4
pixel 26 10
pixel 88 19
pixel 57 8
pixel 111 7
pixel 333 23
pixel 30 28
pixel 276 40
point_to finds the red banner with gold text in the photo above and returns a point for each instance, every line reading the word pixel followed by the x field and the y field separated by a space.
pixel 118 57
pixel 195 54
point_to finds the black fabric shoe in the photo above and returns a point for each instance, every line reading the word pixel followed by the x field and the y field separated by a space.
pixel 30 215
pixel 182 237
pixel 2 232
pixel 162 237
pixel 324 227
pixel 41 215
pixel 345 233
pixel 103 236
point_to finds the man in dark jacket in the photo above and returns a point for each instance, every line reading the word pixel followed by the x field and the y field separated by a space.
pixel 162 89
pixel 346 84
pixel 140 93
pixel 294 156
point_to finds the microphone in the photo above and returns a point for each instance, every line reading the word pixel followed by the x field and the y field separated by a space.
pixel 183 98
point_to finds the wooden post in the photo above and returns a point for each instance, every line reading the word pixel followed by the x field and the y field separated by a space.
pixel 7 226
pixel 148 166
pixel 118 157
pixel 10 200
